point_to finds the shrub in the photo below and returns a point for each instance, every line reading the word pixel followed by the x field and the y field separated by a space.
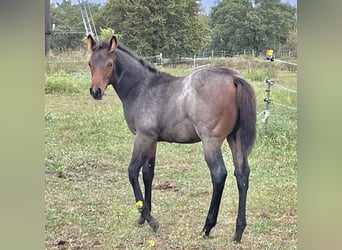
pixel 56 84
pixel 258 74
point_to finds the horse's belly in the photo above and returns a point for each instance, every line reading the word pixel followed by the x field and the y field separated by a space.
pixel 182 132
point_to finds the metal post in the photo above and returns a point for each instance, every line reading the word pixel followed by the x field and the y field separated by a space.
pixel 87 18
pixel 47 27
pixel 92 21
pixel 269 83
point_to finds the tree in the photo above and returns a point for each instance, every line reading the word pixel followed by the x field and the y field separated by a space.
pixel 228 21
pixel 66 21
pixel 244 24
pixel 151 27
pixel 68 32
pixel 280 20
pixel 107 34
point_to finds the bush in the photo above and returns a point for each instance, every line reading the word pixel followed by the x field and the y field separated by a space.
pixel 258 74
pixel 107 33
pixel 63 84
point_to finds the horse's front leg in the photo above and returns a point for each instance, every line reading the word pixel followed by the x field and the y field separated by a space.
pixel 148 174
pixel 144 149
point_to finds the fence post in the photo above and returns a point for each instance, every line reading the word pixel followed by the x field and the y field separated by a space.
pixel 47 27
pixel 269 83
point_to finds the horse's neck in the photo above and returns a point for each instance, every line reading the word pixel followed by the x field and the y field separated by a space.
pixel 131 76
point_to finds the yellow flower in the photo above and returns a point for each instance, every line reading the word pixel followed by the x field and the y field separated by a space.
pixel 139 204
pixel 152 243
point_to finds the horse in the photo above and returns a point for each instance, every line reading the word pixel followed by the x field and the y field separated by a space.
pixel 209 105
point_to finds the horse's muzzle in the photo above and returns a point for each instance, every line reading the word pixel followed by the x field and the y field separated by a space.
pixel 96 94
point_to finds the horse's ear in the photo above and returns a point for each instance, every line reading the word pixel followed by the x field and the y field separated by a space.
pixel 91 43
pixel 113 44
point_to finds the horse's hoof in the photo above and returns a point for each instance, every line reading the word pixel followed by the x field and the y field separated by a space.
pixel 236 240
pixel 154 224
pixel 205 233
pixel 141 220
pixel 205 236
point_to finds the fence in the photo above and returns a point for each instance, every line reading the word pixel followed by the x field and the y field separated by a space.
pixel 247 52
pixel 207 55
pixel 76 63
pixel 267 100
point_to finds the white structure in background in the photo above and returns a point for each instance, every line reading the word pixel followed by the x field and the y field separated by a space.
pixel 87 18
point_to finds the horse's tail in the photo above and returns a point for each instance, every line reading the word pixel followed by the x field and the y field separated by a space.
pixel 247 112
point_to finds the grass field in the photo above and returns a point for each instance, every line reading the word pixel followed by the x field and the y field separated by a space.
pixel 90 203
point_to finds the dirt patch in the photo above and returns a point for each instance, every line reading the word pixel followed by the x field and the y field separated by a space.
pixel 177 167
pixel 166 186
pixel 290 217
pixel 76 244
pixel 204 193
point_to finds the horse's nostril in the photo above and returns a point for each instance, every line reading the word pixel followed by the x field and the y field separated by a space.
pixel 97 94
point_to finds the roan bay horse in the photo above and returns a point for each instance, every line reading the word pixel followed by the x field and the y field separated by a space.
pixel 209 105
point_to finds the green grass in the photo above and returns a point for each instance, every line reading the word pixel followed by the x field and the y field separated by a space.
pixel 90 203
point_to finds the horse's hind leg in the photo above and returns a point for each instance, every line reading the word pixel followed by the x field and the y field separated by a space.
pixel 213 157
pixel 148 174
pixel 241 173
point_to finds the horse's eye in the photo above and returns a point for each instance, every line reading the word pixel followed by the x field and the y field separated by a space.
pixel 110 64
pixel 89 64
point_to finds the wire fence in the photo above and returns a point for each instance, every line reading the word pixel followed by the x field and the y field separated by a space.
pixel 265 114
pixel 75 63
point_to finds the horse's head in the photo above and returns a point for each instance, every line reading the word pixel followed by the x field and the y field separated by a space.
pixel 102 65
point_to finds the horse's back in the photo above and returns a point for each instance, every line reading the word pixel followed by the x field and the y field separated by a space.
pixel 201 105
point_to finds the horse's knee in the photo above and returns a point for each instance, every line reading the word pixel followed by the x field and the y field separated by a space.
pixel 133 173
pixel 242 178
pixel 219 176
pixel 148 172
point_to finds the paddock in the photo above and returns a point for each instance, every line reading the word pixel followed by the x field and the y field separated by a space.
pixel 83 211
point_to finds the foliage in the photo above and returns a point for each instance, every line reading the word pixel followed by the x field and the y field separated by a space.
pixel 238 25
pixel 292 39
pixel 65 18
pixel 107 33
pixel 64 84
pixel 151 27
pixel 59 85
pixel 70 62
pixel 257 74
pixel 68 30
pixel 177 28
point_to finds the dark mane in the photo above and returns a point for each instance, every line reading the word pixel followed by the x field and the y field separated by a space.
pixel 140 60
pixel 105 45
